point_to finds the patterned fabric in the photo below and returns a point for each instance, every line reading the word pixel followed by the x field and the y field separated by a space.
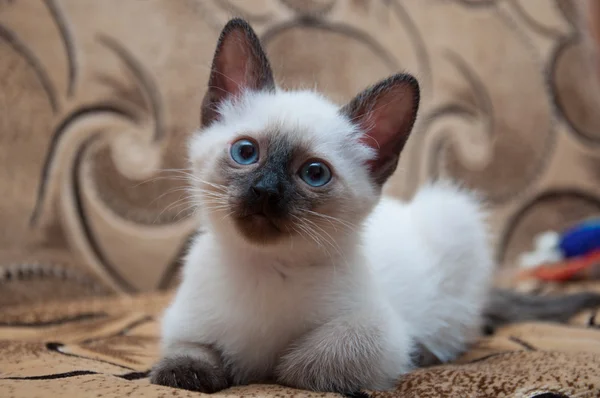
pixel 98 98
pixel 105 347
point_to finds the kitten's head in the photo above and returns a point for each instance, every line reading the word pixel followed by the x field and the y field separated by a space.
pixel 276 167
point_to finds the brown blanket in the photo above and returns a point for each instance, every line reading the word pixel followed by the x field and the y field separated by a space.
pixel 105 347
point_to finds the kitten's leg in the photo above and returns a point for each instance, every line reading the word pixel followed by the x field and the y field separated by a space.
pixel 348 354
pixel 194 367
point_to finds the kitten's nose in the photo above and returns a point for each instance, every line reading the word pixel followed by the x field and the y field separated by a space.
pixel 267 195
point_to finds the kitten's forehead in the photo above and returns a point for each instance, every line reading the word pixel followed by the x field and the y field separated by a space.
pixel 303 116
pixel 290 141
pixel 284 145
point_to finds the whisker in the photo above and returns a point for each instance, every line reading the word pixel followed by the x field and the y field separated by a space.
pixel 191 176
pixel 158 178
pixel 170 191
pixel 334 219
pixel 174 204
pixel 186 209
pixel 316 237
pixel 328 239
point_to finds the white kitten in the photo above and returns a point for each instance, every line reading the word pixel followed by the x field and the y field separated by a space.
pixel 304 276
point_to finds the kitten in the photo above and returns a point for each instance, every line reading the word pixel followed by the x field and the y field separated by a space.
pixel 305 275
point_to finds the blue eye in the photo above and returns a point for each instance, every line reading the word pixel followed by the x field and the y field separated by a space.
pixel 315 174
pixel 244 152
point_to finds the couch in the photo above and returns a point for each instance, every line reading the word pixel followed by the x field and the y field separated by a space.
pixel 97 99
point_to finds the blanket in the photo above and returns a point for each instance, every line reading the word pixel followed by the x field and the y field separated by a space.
pixel 106 347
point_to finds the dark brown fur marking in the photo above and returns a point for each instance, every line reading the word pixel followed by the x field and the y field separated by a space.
pixel 190 374
pixel 277 167
pixel 425 358
pixel 507 307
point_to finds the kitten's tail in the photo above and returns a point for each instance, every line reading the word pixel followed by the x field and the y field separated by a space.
pixel 507 306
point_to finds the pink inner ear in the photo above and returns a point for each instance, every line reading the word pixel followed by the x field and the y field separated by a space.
pixel 234 64
pixel 239 63
pixel 387 124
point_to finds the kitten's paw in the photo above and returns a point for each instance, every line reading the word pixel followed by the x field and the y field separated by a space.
pixel 363 350
pixel 324 371
pixel 318 381
pixel 189 374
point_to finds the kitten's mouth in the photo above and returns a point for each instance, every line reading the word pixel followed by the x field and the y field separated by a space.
pixel 259 228
pixel 260 220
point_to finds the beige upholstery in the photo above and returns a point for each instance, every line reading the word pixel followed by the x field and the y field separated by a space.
pixel 98 98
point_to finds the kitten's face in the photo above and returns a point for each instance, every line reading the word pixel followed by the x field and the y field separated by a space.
pixel 273 166
pixel 283 166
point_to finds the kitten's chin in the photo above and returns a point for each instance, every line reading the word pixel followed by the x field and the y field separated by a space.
pixel 259 229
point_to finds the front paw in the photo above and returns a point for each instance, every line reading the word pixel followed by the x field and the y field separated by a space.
pixel 190 374
pixel 364 350
pixel 318 372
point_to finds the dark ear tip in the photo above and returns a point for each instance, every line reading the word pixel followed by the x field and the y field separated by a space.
pixel 410 80
pixel 236 23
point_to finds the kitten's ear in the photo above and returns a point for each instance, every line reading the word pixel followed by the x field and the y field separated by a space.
pixel 239 64
pixel 385 113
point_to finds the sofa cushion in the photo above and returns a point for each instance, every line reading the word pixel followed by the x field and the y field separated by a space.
pixel 97 99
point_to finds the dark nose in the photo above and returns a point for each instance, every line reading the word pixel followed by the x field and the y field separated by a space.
pixel 267 196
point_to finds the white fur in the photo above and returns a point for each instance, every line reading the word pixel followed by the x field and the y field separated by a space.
pixel 411 273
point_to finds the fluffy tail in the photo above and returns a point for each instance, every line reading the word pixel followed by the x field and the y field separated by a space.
pixel 507 306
